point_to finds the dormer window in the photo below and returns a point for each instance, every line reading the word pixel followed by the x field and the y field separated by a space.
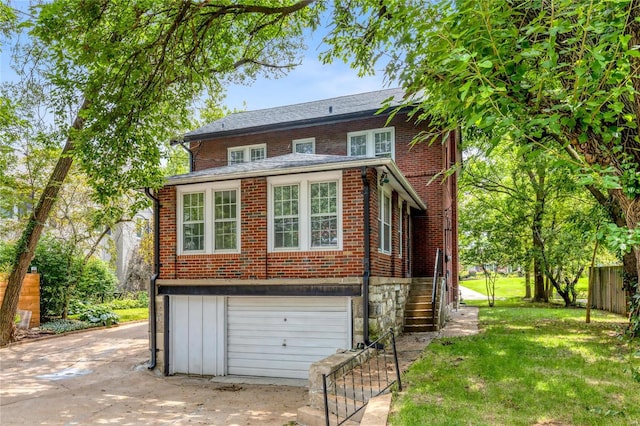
pixel 246 154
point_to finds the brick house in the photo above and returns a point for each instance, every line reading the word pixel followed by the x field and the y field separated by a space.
pixel 295 224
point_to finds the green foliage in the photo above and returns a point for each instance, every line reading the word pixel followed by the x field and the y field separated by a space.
pixel 97 283
pixel 138 300
pixel 7 254
pixel 140 66
pixel 64 325
pixel 99 314
pixel 57 267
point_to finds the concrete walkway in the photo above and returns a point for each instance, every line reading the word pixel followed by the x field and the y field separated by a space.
pixel 468 294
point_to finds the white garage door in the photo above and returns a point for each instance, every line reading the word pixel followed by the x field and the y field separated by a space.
pixel 283 336
pixel 197 335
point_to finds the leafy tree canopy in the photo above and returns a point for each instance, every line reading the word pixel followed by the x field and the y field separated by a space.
pixel 133 69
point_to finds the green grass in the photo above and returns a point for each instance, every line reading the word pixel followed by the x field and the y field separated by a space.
pixel 132 314
pixel 507 287
pixel 529 366
pixel 127 315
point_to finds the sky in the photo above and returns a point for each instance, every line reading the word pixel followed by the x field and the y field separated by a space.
pixel 310 81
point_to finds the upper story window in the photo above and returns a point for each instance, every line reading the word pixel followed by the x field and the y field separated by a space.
pixel 384 222
pixel 209 218
pixel 304 212
pixel 245 154
pixel 372 143
pixel 304 146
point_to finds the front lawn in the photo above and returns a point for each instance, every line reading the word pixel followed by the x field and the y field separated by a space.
pixel 132 314
pixel 528 366
pixel 507 287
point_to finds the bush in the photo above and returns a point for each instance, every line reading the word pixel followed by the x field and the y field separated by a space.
pixel 57 266
pixel 99 315
pixel 63 326
pixel 97 283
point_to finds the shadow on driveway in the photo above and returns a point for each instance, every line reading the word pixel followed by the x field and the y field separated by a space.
pixel 100 376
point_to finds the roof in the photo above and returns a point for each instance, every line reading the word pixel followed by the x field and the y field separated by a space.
pixel 302 163
pixel 298 115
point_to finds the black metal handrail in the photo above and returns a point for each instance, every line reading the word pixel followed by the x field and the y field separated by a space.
pixel 437 271
pixel 359 378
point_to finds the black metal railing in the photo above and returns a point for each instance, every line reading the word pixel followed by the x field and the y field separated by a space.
pixel 437 271
pixel 368 373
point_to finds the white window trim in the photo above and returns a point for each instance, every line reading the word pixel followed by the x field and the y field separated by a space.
pixel 400 229
pixel 382 191
pixel 209 240
pixel 371 145
pixel 304 209
pixel 295 142
pixel 247 151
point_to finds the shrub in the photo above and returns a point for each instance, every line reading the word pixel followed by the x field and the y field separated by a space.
pixel 99 315
pixel 64 325
pixel 57 265
pixel 97 283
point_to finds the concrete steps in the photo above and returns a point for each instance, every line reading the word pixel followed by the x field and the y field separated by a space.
pixel 419 315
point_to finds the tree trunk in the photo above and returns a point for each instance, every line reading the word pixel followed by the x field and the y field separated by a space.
pixel 31 235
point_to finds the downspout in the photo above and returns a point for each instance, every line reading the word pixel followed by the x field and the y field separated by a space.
pixel 367 257
pixel 156 272
pixel 191 160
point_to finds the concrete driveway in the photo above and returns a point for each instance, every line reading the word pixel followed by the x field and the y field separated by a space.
pixel 100 377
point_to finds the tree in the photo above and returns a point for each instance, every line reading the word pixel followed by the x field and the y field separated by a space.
pixel 123 69
pixel 565 71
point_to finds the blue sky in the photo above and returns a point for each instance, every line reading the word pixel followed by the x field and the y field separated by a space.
pixel 310 81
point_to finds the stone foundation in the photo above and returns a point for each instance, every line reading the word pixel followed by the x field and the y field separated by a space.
pixel 387 300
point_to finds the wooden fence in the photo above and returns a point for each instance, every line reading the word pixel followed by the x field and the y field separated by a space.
pixel 29 296
pixel 607 292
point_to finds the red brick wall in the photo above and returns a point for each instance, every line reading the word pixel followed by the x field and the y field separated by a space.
pixel 254 262
pixel 419 163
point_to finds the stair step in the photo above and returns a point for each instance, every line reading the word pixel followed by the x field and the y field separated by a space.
pixel 418 320
pixel 412 328
pixel 419 299
pixel 421 290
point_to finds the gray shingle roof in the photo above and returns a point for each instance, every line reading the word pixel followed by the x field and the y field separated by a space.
pixel 299 163
pixel 265 167
pixel 325 110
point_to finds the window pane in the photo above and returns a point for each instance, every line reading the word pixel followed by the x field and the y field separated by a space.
pixel 193 236
pixel 304 147
pixel 324 218
pixel 236 157
pixel 285 208
pixel 384 223
pixel 225 222
pixel 358 145
pixel 257 154
pixel 225 235
pixel 324 231
pixel 285 232
pixel 383 144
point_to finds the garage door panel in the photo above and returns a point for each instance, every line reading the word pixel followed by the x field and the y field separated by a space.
pixel 261 371
pixel 314 328
pixel 196 333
